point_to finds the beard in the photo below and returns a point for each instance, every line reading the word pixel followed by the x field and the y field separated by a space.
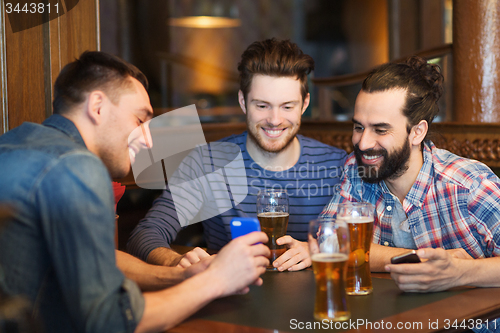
pixel 393 165
pixel 272 147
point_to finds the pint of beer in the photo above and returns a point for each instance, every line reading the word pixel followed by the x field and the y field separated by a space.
pixel 272 212
pixel 274 225
pixel 329 249
pixel 359 219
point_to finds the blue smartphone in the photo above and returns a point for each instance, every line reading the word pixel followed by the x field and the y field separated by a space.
pixel 243 225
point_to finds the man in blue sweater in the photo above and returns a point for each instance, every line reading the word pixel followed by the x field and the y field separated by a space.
pixel 273 95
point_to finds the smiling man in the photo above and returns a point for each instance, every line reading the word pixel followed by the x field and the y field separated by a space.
pixel 273 95
pixel 446 206
pixel 58 247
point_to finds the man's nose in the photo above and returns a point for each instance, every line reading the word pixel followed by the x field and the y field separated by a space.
pixel 366 141
pixel 274 118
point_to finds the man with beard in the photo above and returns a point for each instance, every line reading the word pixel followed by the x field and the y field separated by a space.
pixel 444 206
pixel 273 95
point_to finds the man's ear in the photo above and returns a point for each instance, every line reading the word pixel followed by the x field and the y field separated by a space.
pixel 306 102
pixel 94 108
pixel 241 99
pixel 418 132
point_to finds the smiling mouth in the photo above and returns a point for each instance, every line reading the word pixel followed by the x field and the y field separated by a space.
pixel 273 132
pixel 371 157
pixel 132 153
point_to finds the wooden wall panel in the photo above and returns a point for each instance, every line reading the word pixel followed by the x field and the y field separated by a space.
pixel 3 73
pixel 72 34
pixel 79 31
pixel 476 59
pixel 25 75
pixel 34 57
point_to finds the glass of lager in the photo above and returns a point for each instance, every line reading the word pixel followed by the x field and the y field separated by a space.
pixel 272 212
pixel 329 249
pixel 359 219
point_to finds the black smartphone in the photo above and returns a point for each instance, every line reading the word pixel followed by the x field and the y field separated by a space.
pixel 406 258
pixel 243 225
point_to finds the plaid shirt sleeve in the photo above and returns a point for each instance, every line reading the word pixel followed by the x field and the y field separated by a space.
pixel 455 203
pixel 484 207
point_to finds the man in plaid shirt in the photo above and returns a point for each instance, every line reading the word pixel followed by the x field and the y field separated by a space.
pixel 446 206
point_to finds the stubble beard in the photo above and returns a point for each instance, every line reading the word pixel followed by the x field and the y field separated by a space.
pixel 115 165
pixel 253 134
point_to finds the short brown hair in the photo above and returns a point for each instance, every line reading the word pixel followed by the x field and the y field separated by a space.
pixel 423 83
pixel 93 70
pixel 274 58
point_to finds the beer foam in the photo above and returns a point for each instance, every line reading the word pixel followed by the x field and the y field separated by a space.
pixel 356 219
pixel 273 214
pixel 329 257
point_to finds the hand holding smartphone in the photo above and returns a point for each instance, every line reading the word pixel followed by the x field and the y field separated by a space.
pixel 243 225
pixel 410 257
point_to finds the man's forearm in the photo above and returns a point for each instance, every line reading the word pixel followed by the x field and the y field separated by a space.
pixel 148 277
pixel 164 256
pixel 238 264
pixel 481 272
pixel 167 308
pixel 381 255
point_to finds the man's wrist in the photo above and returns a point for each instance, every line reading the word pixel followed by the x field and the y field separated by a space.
pixel 171 275
pixel 164 256
pixel 470 272
pixel 214 279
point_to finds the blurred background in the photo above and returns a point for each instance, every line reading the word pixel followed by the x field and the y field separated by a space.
pixel 190 49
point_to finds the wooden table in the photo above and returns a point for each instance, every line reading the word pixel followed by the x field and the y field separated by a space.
pixel 284 303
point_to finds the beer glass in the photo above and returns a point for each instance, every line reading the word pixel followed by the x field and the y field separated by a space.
pixel 329 249
pixel 359 219
pixel 272 212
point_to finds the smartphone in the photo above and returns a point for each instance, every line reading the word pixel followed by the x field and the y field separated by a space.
pixel 243 225
pixel 406 258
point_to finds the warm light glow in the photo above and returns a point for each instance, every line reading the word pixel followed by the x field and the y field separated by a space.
pixel 204 22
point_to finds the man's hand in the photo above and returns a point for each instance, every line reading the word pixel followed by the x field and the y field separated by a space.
pixel 295 258
pixel 198 267
pixel 240 263
pixel 441 270
pixel 192 257
pixel 167 257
